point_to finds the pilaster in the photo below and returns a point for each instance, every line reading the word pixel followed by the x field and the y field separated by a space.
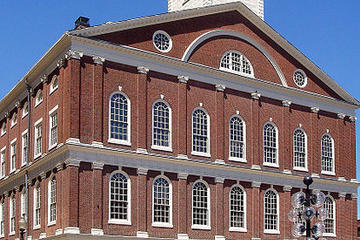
pixel 220 122
pixel 219 207
pixel 98 88
pixel 255 209
pixel 141 202
pixel 286 161
pixel 182 206
pixel 97 199
pixel 182 116
pixel 71 196
pixel 255 136
pixel 141 119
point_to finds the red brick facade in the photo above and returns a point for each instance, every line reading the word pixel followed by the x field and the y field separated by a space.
pixel 84 159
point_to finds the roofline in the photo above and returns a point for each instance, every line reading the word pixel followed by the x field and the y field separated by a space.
pixel 235 6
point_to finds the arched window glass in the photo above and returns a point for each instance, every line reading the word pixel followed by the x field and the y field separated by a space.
pixel 300 150
pixel 270 145
pixel 327 154
pixel 39 97
pixel 54 84
pixel 237 208
pixel 236 62
pixel 52 201
pixel 161 126
pixel 200 205
pixel 119 119
pixel 237 138
pixel 119 205
pixel 329 204
pixel 162 201
pixel 200 132
pixel 271 211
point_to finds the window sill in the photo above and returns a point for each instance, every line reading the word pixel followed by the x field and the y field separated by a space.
pixel 51 224
pixel 37 156
pixel 36 227
pixel 201 227
pixel 12 233
pixel 12 171
pixel 24 115
pixel 117 141
pixel 301 169
pixel 201 154
pixel 236 229
pixel 162 225
pixel 119 222
pixel 242 160
pixel 271 231
pixel 328 173
pixel 52 146
pixel 53 90
pixel 329 235
pixel 274 165
pixel 3 133
pixel 12 125
pixel 161 148
pixel 37 103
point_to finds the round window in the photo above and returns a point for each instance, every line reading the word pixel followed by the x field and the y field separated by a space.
pixel 162 41
pixel 300 78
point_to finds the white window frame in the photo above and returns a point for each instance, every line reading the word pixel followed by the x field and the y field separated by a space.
pixel 158 147
pixel 304 75
pixel 3 161
pixel 23 159
pixel 233 71
pixel 162 224
pixel 14 120
pixel 12 214
pixel 267 164
pixel 166 35
pixel 39 100
pixel 198 226
pixel 50 223
pixel 22 205
pixel 235 159
pixel 3 128
pixel 36 124
pixel 305 169
pixel 114 140
pixel 2 219
pixel 332 173
pixel 277 230
pixel 238 229
pixel 52 88
pixel 25 107
pixel 196 153
pixel 120 221
pixel 37 185
pixel 13 165
pixel 51 113
pixel 334 213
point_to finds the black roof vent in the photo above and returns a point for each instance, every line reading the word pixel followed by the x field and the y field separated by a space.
pixel 82 22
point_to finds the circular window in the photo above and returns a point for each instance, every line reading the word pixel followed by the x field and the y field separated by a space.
pixel 162 41
pixel 300 78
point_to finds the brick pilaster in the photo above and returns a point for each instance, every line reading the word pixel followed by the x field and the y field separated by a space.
pixel 142 200
pixel 316 165
pixel 220 126
pixel 182 205
pixel 285 207
pixel 142 109
pixel 255 131
pixel 255 209
pixel 97 200
pixel 98 88
pixel 219 206
pixel 182 116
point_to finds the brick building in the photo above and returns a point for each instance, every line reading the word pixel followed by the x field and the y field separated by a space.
pixel 194 124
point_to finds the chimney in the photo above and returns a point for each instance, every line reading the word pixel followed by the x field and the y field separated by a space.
pixel 82 22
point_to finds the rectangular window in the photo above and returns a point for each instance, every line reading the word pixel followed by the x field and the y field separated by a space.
pixel 22 207
pixel 53 133
pixel 2 159
pixel 2 219
pixel 38 139
pixel 12 215
pixel 13 155
pixel 24 148
pixel 37 207
pixel 52 201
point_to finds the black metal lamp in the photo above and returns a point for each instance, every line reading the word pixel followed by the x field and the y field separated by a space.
pixel 22 227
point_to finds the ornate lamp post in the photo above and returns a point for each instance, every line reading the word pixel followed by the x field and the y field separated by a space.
pixel 22 227
pixel 303 213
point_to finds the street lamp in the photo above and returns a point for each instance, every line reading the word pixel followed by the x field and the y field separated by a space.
pixel 22 227
pixel 304 212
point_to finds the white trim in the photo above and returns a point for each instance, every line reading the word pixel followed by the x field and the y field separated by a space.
pixel 10 211
pixel 162 224
pixel 50 223
pixel 13 168
pixel 157 147
pixel 52 88
pixel 235 159
pixel 24 114
pixel 277 230
pixel 166 35
pixel 219 32
pixel 37 101
pixel 34 205
pixel 197 226
pixel 51 112
pixel 23 161
pixel 304 169
pixel 14 120
pixel 2 214
pixel 36 124
pixel 196 153
pixel 3 128
pixel 305 78
pixel 238 229
pixel 332 173
pixel 113 140
pixel 276 164
pixel 233 71
pixel 334 212
pixel 120 221
pixel 3 174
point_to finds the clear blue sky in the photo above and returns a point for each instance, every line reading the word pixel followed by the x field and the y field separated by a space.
pixel 326 31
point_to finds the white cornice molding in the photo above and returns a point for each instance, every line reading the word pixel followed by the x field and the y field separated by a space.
pixel 98 165
pixel 143 70
pixel 220 87
pixel 219 180
pixel 98 60
pixel 255 95
pixel 44 78
pixel 342 194
pixel 183 79
pixel 142 171
pixel 255 184
pixel 72 162
pixel 354 196
pixel 183 176
pixel 352 118
pixel 286 103
pixel 71 54
pixel 314 109
pixel 60 63
pixel 341 115
pixel 287 188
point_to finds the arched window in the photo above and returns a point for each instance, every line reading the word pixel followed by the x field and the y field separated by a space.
pixel 12 215
pixel 25 109
pixel 37 206
pixel 327 154
pixel 162 202
pixel 119 119
pixel 271 212
pixel 3 128
pixel 52 201
pixel 330 222
pixel 236 62
pixel 237 208
pixel 200 206
pixel 119 198
pixel 237 146
pixel 270 135
pixel 39 97
pixel 300 150
pixel 54 84
pixel 161 130
pixel 200 133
